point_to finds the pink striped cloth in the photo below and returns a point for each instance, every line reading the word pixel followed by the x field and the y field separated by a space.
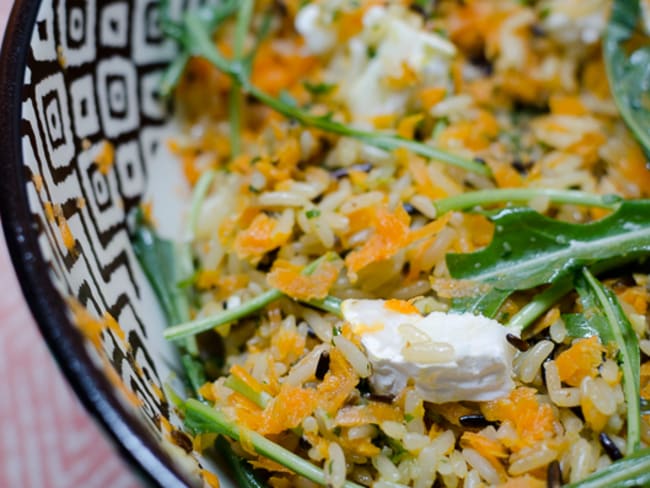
pixel 47 439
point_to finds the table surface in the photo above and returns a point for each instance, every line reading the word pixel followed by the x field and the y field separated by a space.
pixel 47 439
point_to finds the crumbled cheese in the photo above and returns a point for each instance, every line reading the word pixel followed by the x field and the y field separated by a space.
pixel 311 22
pixel 393 44
pixel 449 357
pixel 582 22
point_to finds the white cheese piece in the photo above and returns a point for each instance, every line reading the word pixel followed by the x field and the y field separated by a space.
pixel 398 44
pixel 310 22
pixel 449 357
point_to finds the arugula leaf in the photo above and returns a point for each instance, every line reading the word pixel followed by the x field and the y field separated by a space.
pixel 623 335
pixel 529 250
pixel 486 304
pixel 628 73
pixel 632 470
pixel 195 373
pixel 590 322
pixel 241 469
pixel 161 264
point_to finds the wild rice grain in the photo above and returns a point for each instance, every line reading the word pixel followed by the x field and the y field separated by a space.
pixel 323 365
pixel 609 447
pixel 517 342
pixel 474 420
pixel 554 475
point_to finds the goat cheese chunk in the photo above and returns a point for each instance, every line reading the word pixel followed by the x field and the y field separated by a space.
pixel 449 357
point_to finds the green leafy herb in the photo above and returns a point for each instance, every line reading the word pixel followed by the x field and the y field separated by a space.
pixel 312 213
pixel 486 304
pixel 591 321
pixel 632 470
pixel 194 372
pixel 241 469
pixel 161 264
pixel 319 88
pixel 622 333
pixel 529 250
pixel 201 418
pixel 628 73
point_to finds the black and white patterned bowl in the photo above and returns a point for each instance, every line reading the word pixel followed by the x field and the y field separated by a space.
pixel 73 75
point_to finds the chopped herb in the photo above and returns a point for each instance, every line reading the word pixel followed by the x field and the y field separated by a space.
pixel 319 88
pixel 314 212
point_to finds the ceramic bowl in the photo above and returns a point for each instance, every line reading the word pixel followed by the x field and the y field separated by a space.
pixel 79 78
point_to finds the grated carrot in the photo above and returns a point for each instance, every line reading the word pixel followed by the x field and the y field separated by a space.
pixel 210 479
pixel 338 384
pixel 391 235
pixel 566 105
pixel 247 378
pixel 429 97
pixel 594 418
pixel 533 421
pixel 490 449
pixel 105 157
pixel 260 237
pixel 288 278
pixel 429 230
pixel 504 174
pixel 401 306
pixel 406 127
pixel 637 297
pixel 287 344
pixel 582 359
pixel 280 66
pixel 384 121
pixel 277 417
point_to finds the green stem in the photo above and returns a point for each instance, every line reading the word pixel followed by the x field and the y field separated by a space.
pixel 328 304
pixel 633 470
pixel 261 398
pixel 227 316
pixel 630 379
pixel 243 472
pixel 546 299
pixel 201 45
pixel 172 75
pixel 506 195
pixel 202 418
pixel 198 196
pixel 245 309
pixel 540 304
pixel 242 26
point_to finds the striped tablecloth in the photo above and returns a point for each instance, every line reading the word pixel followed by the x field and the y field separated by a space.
pixel 46 438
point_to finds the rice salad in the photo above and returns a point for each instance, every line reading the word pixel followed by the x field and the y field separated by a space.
pixel 416 245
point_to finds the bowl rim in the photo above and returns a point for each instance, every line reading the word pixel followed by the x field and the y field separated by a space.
pixel 134 443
